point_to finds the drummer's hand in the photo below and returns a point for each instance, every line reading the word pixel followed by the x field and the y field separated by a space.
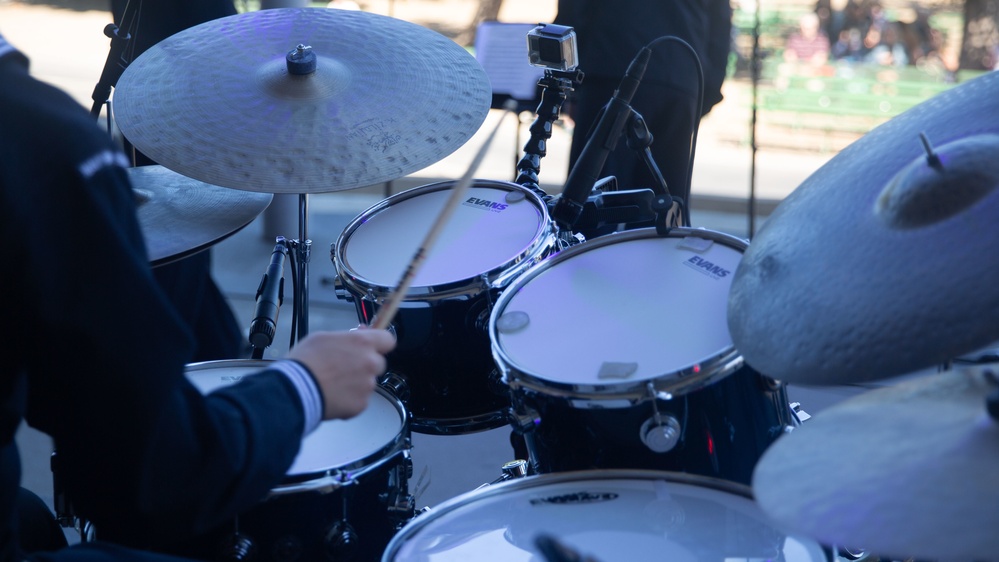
pixel 346 366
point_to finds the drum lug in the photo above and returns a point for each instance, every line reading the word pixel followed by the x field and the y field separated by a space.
pixel 660 433
pixel 799 414
pixel 341 541
pixel 515 469
pixel 495 384
pixel 340 289
pixel 402 509
pixel 396 384
pixel 526 421
pixel 771 384
pixel 399 503
pixel 237 547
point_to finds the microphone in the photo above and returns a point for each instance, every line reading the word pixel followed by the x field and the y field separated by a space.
pixel 601 143
pixel 270 295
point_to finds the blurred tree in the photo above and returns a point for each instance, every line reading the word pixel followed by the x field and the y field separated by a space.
pixel 488 10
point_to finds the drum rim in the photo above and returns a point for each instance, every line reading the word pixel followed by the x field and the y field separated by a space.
pixel 543 241
pixel 684 380
pixel 420 522
pixel 333 476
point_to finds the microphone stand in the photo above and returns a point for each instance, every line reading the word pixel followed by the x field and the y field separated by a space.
pixel 118 57
pixel 754 70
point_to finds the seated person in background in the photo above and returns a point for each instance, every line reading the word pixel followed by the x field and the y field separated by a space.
pixel 890 50
pixel 809 44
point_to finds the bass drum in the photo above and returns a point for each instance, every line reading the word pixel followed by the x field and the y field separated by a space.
pixel 618 355
pixel 441 367
pixel 605 515
pixel 344 497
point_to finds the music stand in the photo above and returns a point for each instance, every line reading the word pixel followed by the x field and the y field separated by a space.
pixel 501 49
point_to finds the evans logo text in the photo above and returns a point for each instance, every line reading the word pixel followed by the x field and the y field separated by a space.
pixel 485 204
pixel 708 268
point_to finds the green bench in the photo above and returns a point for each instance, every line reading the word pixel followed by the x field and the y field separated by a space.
pixel 845 99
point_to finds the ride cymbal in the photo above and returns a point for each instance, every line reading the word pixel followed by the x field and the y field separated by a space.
pixel 180 216
pixel 910 470
pixel 882 262
pixel 219 102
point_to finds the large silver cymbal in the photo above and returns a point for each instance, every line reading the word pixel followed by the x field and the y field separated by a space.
pixel 910 470
pixel 180 216
pixel 883 261
pixel 216 102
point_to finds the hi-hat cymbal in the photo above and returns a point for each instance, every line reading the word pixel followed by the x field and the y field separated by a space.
pixel 910 470
pixel 180 216
pixel 882 262
pixel 217 102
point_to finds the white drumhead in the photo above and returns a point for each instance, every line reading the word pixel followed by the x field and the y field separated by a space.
pixel 609 516
pixel 487 230
pixel 334 443
pixel 607 313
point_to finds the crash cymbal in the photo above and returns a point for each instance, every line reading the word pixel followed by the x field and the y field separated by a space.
pixel 910 470
pixel 180 216
pixel 217 102
pixel 882 262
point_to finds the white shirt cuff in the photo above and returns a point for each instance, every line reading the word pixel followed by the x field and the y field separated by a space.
pixel 308 391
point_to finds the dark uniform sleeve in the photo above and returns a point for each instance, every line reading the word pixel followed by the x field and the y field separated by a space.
pixel 142 453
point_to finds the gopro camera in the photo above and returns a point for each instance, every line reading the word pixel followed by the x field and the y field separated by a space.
pixel 552 46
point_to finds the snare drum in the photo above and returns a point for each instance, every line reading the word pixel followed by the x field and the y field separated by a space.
pixel 608 515
pixel 441 366
pixel 618 355
pixel 344 497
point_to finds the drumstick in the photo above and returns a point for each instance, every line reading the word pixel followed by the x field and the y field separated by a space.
pixel 387 312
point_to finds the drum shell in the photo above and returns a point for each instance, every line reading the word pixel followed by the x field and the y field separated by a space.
pixel 726 427
pixel 442 363
pixel 452 385
pixel 727 413
pixel 296 521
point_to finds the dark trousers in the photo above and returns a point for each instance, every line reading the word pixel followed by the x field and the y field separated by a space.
pixel 670 115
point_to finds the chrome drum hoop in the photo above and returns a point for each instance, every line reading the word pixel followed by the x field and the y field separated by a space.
pixel 545 242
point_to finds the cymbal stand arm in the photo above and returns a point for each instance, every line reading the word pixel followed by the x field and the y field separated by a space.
pixel 555 85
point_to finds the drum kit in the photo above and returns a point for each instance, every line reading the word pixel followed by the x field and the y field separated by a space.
pixel 643 371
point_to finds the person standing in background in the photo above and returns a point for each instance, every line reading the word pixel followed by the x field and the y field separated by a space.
pixel 670 97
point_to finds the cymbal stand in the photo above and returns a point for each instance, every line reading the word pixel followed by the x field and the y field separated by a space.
pixel 300 251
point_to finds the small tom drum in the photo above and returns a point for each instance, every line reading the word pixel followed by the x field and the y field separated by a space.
pixel 344 497
pixel 441 367
pixel 608 515
pixel 618 355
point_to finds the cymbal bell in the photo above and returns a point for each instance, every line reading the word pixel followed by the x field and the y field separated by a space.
pixel 221 101
pixel 881 262
pixel 180 216
pixel 910 470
